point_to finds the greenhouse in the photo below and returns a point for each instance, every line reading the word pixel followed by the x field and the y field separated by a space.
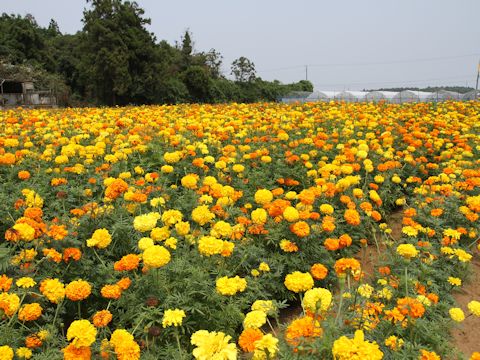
pixel 321 96
pixel 351 96
pixel 376 96
pixel 471 95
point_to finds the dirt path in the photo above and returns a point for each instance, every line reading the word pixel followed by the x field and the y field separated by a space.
pixel 466 337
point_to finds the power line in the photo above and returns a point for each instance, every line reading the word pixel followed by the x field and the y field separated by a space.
pixel 373 63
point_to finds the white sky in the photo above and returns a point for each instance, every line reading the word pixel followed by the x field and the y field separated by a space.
pixel 348 44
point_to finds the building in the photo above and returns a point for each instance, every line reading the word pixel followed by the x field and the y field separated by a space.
pixel 15 93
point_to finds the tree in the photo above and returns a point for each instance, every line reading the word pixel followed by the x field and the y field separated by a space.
pixel 213 59
pixel 119 52
pixel 243 70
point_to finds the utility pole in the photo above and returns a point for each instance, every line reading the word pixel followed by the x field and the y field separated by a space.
pixel 476 85
pixel 306 73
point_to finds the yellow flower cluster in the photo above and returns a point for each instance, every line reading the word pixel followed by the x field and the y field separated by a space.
pixel 317 299
pixel 213 345
pixel 173 317
pixel 298 281
pixel 101 238
pixel 357 348
pixel 230 286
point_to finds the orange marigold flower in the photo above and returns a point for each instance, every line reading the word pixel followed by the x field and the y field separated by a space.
pixel 247 339
pixel 436 212
pixel 331 244
pixel 116 188
pixel 111 291
pixel 344 265
pixel 124 283
pixel 30 312
pixel 428 355
pixel 71 253
pixel 78 290
pixel 24 175
pixel 345 240
pixel 300 228
pixel 102 318
pixel 34 213
pixel 352 217
pixel 319 271
pixel 52 255
pixel 301 330
pixel 57 232
pixel 76 353
pixel 33 341
pixel 410 307
pixel 5 283
pixel 127 263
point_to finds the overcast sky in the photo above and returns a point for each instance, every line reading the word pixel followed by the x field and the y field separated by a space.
pixel 346 44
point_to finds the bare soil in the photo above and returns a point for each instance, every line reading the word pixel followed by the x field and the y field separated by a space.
pixel 466 337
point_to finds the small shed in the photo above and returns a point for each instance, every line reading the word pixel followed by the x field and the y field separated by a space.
pixel 14 92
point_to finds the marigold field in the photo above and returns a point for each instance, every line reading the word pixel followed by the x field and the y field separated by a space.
pixel 190 231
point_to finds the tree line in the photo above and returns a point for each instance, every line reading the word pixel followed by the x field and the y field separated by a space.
pixel 115 60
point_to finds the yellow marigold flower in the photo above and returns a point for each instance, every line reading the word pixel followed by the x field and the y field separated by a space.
pixel 238 168
pixel 317 299
pixel 474 307
pixel 25 282
pixel 101 238
pixel 202 215
pixel 156 256
pixel 24 353
pixel 394 342
pixel 455 281
pixel 365 290
pixel 259 216
pixel 263 196
pixel 326 209
pixel 78 290
pixel 25 231
pixel 288 246
pixel 265 348
pixel 144 243
pixel 53 289
pixel 264 267
pixel 213 345
pixel 30 312
pixel 410 231
pixel 221 229
pixel 345 348
pixel 190 181
pixel 428 355
pixel 210 245
pixel 291 214
pixel 171 217
pixel 298 281
pixel 146 222
pixel 266 306
pixel 160 234
pixel 81 333
pixel 173 317
pixel 255 273
pixel 9 303
pixel 408 251
pixel 462 255
pixel 172 157
pixel 255 319
pixel 6 352
pixel 182 228
pixel 230 286
pixel 457 314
